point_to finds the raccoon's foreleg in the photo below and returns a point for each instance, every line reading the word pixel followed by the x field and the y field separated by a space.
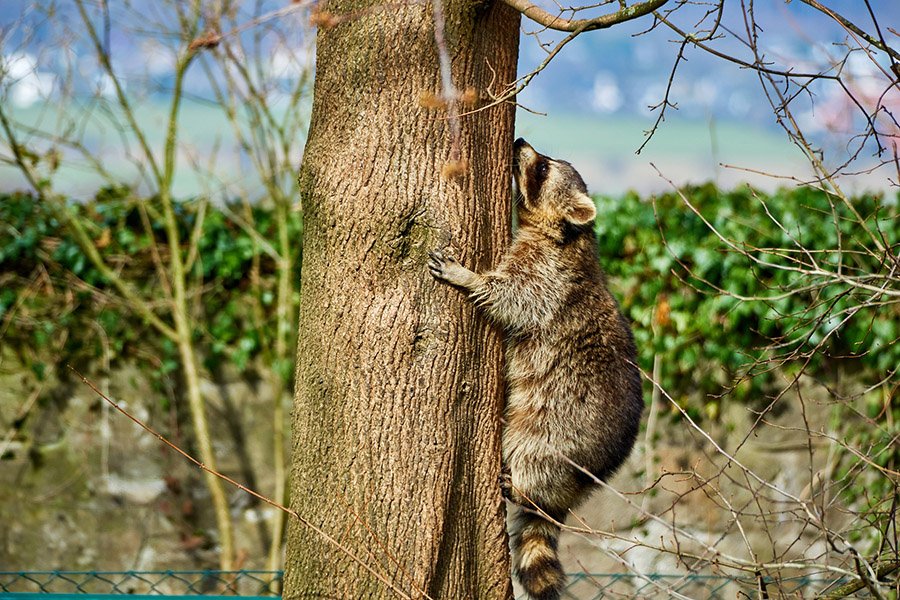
pixel 446 268
pixel 512 302
pixel 485 291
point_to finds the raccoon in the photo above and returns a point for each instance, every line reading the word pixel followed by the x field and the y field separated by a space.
pixel 574 390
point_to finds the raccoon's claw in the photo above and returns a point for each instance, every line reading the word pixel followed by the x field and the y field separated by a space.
pixel 439 263
pixel 505 482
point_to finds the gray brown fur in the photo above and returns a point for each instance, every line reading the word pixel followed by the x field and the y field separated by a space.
pixel 574 388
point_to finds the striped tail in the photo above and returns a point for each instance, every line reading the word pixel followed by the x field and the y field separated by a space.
pixel 534 556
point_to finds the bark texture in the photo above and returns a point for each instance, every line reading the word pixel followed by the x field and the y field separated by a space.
pixel 399 383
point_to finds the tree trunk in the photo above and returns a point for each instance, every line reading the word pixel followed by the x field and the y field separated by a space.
pixel 396 422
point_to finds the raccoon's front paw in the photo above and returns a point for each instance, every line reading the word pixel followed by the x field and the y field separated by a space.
pixel 445 267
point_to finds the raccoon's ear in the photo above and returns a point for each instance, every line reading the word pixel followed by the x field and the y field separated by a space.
pixel 581 211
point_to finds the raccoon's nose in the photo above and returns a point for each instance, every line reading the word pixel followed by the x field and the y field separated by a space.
pixel 519 143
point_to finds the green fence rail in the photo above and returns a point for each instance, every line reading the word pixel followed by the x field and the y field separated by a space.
pixel 68 585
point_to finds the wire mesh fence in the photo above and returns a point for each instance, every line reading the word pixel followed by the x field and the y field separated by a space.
pixel 586 586
pixel 580 586
pixel 145 583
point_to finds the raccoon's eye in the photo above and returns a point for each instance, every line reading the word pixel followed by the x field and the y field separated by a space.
pixel 542 168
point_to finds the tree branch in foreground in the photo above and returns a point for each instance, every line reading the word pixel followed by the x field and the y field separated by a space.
pixel 854 586
pixel 551 21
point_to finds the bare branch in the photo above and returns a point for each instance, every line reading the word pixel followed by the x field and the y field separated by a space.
pixel 880 44
pixel 756 66
pixel 456 166
pixel 542 17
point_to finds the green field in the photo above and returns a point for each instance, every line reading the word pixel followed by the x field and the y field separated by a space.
pixel 601 147
pixel 616 137
pixel 208 160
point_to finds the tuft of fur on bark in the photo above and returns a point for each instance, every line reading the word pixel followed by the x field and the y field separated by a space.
pixel 453 169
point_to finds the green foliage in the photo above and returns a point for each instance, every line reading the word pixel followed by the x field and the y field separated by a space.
pixel 54 302
pixel 727 316
pixel 677 280
pixel 720 320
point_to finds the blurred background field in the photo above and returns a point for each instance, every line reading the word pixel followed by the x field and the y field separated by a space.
pixel 601 147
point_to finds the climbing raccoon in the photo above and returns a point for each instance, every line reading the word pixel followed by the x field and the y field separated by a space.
pixel 574 387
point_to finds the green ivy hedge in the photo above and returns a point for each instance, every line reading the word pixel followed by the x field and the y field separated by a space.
pixel 668 268
pixel 52 299
pixel 681 285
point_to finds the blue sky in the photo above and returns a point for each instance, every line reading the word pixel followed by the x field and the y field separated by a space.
pixel 596 94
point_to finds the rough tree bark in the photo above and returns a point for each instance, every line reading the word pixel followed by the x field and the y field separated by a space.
pixel 399 382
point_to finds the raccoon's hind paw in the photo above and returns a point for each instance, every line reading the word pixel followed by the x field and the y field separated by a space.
pixel 505 482
pixel 510 493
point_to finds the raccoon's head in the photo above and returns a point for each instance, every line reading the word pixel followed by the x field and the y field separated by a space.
pixel 550 191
